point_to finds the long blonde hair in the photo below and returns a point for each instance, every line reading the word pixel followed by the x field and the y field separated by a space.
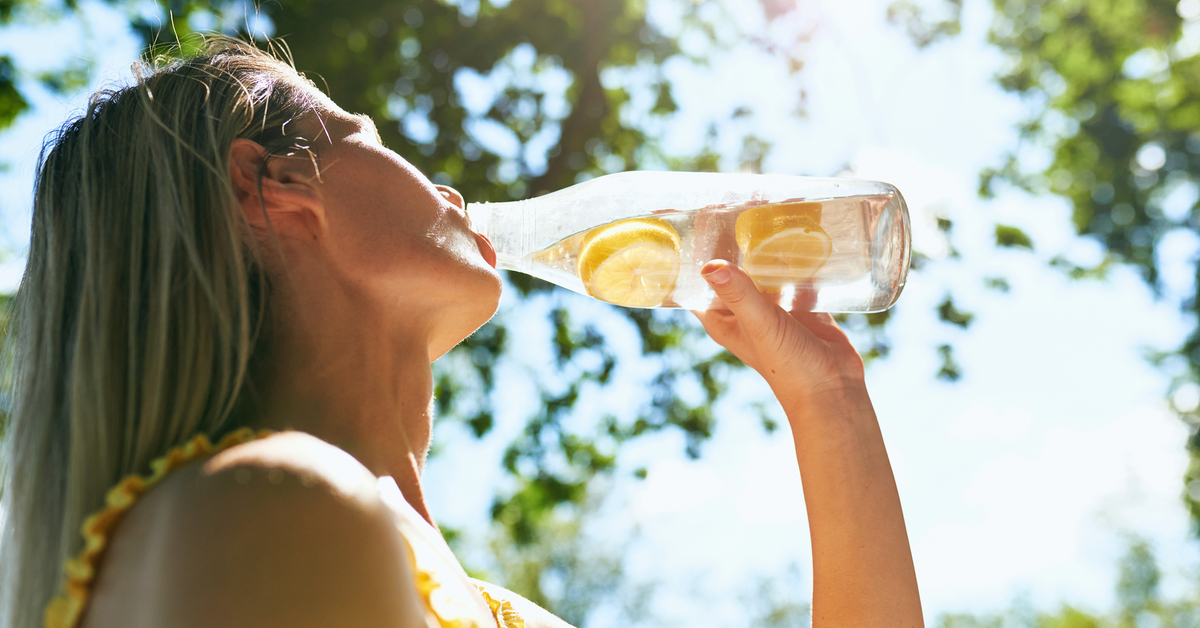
pixel 140 315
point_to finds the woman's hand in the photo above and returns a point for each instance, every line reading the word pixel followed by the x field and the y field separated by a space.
pixel 801 354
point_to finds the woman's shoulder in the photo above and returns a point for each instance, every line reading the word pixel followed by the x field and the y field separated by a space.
pixel 297 456
pixel 278 472
pixel 286 530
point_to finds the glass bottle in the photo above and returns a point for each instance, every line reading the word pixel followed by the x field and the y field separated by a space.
pixel 639 239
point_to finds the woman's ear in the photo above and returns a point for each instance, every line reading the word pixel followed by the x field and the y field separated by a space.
pixel 281 197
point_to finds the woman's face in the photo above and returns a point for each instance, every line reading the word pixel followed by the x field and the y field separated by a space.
pixel 400 240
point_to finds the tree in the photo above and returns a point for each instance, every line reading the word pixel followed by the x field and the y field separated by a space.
pixel 1113 85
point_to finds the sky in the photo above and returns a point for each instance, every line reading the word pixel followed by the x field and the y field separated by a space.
pixel 1023 480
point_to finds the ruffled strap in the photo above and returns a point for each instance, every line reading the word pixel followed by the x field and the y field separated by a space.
pixel 506 615
pixel 450 613
pixel 66 609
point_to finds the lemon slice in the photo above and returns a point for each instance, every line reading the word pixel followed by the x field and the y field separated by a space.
pixel 756 224
pixel 782 244
pixel 633 262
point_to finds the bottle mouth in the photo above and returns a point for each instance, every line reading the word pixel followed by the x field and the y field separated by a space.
pixel 477 217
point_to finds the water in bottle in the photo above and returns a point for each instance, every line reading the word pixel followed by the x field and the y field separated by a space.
pixel 639 239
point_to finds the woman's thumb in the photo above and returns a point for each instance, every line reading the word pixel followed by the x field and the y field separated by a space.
pixel 737 291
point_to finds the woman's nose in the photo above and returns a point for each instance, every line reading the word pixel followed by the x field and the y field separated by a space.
pixel 452 195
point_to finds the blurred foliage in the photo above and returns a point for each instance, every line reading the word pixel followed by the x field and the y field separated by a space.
pixel 568 573
pixel 1138 603
pixel 950 371
pixel 775 602
pixel 582 577
pixel 950 314
pixel 12 102
pixel 927 24
pixel 1012 237
pixel 1113 88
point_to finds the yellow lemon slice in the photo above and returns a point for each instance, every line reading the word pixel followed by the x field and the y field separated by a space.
pixel 756 224
pixel 633 262
pixel 782 244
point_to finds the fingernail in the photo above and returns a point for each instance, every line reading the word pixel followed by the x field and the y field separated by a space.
pixel 717 276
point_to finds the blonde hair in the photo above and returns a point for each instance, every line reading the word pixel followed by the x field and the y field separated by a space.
pixel 140 314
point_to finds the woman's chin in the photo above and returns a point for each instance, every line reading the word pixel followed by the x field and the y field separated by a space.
pixel 476 312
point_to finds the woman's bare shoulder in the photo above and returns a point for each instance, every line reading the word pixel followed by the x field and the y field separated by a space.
pixel 283 531
pixel 300 456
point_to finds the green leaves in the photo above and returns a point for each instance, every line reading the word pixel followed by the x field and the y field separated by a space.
pixel 1012 237
pixel 1118 107
pixel 925 27
pixel 12 103
pixel 1110 88
pixel 950 371
pixel 1137 588
pixel 947 313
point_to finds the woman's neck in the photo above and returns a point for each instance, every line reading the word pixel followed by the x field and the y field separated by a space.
pixel 363 387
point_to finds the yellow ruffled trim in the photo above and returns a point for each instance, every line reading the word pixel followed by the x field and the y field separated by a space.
pixel 66 609
pixel 427 586
pixel 506 615
pixel 443 609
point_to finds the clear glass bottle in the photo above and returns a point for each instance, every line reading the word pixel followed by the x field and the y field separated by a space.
pixel 639 239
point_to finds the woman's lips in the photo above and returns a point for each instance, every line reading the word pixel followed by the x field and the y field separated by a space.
pixel 486 248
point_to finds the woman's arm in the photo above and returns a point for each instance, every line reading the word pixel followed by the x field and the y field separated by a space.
pixel 863 572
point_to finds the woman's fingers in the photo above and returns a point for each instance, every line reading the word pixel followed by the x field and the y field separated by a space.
pixel 738 292
pixel 799 350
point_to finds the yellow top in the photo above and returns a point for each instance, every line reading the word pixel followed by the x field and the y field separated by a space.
pixel 65 610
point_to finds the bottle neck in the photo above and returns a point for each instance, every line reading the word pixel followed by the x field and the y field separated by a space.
pixel 509 227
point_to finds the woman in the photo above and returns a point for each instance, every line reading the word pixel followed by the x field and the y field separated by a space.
pixel 221 251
